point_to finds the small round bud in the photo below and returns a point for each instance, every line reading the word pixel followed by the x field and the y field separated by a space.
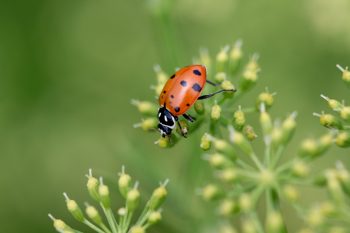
pixel 215 112
pixel 236 52
pixel 161 75
pixel 345 113
pixel 249 132
pixel 93 214
pixel 343 139
pixel 149 124
pixel 217 160
pixel 145 107
pixel 210 192
pixel 291 193
pixel 92 186
pixel 137 229
pixel 309 147
pixel 59 225
pixel 274 222
pixel 163 142
pixel 228 175
pixel 221 59
pixel 245 202
pixel 239 140
pixel 227 207
pixel 103 191
pixel 132 199
pixel 158 197
pixel 345 73
pixel 199 107
pixel 315 217
pixel 124 184
pixel 239 119
pixel 74 209
pixel 265 121
pixel 220 77
pixel 300 168
pixel 154 217
pixel 205 142
pixel 227 85
pixel 204 58
pixel 266 98
pixel 329 121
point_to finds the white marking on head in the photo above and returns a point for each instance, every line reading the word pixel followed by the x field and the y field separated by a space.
pixel 159 114
pixel 166 119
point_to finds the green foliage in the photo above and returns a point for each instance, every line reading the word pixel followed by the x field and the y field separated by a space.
pixel 120 221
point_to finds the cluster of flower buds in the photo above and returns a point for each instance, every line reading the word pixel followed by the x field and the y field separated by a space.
pixel 224 69
pixel 114 220
pixel 338 122
pixel 244 176
pixel 323 214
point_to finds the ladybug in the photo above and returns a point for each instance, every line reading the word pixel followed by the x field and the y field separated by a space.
pixel 179 93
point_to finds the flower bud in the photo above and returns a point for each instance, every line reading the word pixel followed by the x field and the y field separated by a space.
pixel 154 217
pixel 245 202
pixel 162 142
pixel 215 112
pixel 103 192
pixel 346 73
pixel 92 186
pixel 204 58
pixel 343 139
pixel 210 192
pixel 221 59
pixel 145 107
pixel 158 196
pixel 265 120
pixel 248 226
pixel 228 175
pixel 239 140
pixel 249 132
pixel 137 229
pixel 227 85
pixel 205 142
pixel 315 217
pixel 276 136
pixel 291 193
pixel 147 124
pixel 300 168
pixel 345 113
pixel 223 146
pixel 239 119
pixel 93 214
pixel 235 55
pixel 329 121
pixel 59 225
pixel 266 98
pixel 74 209
pixel 309 147
pixel 288 127
pixel 199 107
pixel 220 77
pixel 132 199
pixel 124 183
pixel 217 160
pixel 162 77
pixel 227 207
pixel 274 222
pixel 335 105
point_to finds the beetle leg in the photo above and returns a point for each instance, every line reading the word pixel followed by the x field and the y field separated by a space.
pixel 212 94
pixel 181 130
pixel 212 83
pixel 189 117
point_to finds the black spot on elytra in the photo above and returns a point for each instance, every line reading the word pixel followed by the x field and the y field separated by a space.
pixel 164 92
pixel 187 104
pixel 197 72
pixel 172 76
pixel 196 87
pixel 183 83
pixel 177 109
pixel 172 96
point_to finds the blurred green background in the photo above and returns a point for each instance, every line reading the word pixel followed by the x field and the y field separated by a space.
pixel 68 70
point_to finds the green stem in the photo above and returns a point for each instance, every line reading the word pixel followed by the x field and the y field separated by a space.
pixel 256 161
pixel 277 156
pixel 95 228
pixel 110 218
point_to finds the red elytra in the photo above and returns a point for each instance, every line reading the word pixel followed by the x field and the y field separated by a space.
pixel 183 88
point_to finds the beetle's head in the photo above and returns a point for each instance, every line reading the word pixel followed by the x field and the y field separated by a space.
pixel 166 121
